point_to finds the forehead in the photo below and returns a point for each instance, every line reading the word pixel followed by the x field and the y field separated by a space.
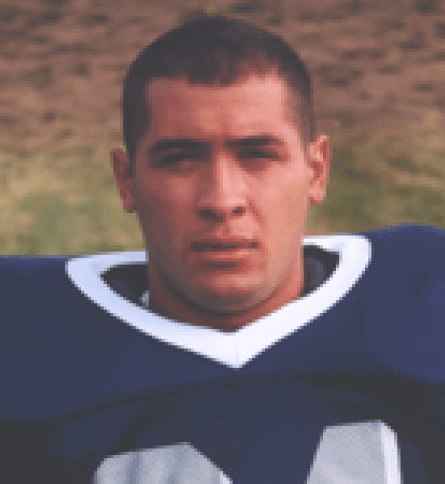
pixel 178 107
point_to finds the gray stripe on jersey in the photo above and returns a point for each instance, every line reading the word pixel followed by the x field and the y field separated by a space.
pixel 362 453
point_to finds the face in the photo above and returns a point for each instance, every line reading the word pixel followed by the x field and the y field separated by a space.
pixel 240 171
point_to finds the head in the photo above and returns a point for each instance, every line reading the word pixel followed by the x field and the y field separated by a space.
pixel 249 164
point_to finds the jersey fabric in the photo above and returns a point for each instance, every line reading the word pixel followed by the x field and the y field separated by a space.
pixel 344 385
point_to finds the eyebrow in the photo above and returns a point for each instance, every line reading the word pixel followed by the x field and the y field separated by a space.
pixel 166 144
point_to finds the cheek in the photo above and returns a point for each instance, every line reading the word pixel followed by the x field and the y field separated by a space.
pixel 286 213
pixel 165 215
pixel 149 208
pixel 289 197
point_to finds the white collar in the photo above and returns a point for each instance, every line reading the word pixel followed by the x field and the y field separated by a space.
pixel 231 349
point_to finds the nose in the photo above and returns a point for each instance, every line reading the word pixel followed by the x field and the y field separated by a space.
pixel 222 213
pixel 223 192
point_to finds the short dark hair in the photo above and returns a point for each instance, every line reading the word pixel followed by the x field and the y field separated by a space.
pixel 218 51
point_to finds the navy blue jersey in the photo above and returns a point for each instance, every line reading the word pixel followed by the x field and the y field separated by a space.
pixel 344 385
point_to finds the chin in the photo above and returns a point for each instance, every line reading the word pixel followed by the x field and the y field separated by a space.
pixel 228 304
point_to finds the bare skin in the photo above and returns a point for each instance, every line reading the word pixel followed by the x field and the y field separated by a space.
pixel 217 188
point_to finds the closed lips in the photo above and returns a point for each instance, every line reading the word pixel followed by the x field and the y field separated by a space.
pixel 202 246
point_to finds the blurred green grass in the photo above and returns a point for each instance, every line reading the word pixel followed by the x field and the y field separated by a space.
pixel 68 203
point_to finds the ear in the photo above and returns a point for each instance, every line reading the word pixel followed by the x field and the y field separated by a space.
pixel 319 162
pixel 120 165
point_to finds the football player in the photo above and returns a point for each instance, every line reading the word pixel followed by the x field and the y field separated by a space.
pixel 234 348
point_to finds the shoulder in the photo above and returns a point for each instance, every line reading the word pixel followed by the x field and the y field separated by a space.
pixel 23 270
pixel 49 336
pixel 405 313
pixel 425 240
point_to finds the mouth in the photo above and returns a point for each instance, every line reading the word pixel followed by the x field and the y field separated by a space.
pixel 201 247
pixel 235 255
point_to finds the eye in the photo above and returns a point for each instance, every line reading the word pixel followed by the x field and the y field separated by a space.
pixel 259 154
pixel 176 158
pixel 169 160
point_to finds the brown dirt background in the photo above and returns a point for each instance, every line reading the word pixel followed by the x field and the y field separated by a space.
pixel 377 68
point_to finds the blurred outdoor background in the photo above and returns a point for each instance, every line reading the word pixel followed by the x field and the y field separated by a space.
pixel 378 69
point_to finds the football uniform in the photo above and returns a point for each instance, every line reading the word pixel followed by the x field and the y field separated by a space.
pixel 344 385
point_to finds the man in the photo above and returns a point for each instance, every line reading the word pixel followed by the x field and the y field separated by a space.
pixel 223 210
pixel 233 349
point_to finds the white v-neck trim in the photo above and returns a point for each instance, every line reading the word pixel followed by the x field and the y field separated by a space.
pixel 231 349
